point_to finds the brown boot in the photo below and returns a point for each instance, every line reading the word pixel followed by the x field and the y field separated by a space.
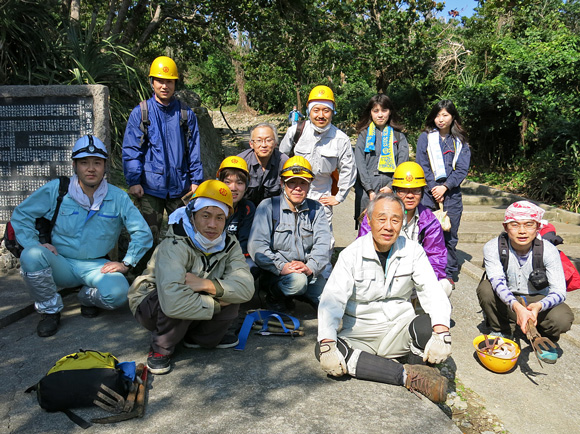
pixel 427 381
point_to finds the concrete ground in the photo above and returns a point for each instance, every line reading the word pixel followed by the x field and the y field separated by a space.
pixel 275 384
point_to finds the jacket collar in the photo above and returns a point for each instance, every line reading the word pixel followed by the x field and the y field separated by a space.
pixel 370 253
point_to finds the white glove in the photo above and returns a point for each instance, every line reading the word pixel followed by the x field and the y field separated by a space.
pixel 331 359
pixel 438 348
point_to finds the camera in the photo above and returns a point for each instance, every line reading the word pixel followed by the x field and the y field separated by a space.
pixel 538 279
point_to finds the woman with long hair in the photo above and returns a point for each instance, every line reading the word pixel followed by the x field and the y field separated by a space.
pixel 380 148
pixel 444 155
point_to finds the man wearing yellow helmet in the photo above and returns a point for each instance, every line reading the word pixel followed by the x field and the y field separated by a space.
pixel 195 280
pixel 161 150
pixel 420 224
pixel 233 172
pixel 325 147
pixel 290 240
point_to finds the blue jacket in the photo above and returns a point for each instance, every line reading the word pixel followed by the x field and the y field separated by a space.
pixel 77 237
pixel 160 166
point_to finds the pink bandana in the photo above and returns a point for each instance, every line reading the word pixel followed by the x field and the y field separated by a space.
pixel 523 210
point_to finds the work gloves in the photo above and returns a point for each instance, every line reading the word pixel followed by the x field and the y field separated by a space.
pixel 331 359
pixel 438 348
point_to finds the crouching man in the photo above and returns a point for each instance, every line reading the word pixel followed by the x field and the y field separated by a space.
pixel 517 263
pixel 195 280
pixel 290 240
pixel 89 221
pixel 369 290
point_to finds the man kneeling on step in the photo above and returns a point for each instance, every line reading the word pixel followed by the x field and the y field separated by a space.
pixel 195 281
pixel 369 290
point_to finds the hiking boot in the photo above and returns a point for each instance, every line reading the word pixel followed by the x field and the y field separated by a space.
pixel 90 311
pixel 427 381
pixel 48 324
pixel 158 363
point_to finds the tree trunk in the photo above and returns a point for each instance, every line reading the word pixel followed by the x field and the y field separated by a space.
pixel 109 22
pixel 121 16
pixel 152 27
pixel 240 80
pixel 138 11
pixel 75 11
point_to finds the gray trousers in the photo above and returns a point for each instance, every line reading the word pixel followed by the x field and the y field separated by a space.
pixel 167 332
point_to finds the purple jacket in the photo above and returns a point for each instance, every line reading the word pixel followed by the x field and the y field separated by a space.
pixel 430 237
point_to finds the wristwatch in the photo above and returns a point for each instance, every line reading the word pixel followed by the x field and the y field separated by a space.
pixel 126 264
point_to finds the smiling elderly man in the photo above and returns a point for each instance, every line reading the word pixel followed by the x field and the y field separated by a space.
pixel 519 263
pixel 369 290
pixel 265 162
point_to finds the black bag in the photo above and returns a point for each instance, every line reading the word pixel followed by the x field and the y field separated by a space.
pixel 75 379
pixel 43 225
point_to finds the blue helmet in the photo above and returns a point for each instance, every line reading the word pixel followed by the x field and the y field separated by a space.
pixel 89 146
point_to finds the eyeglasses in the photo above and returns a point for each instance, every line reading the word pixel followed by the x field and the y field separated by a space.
pixel 406 191
pixel 525 225
pixel 262 141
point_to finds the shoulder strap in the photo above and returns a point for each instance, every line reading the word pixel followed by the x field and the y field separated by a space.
pixel 64 182
pixel 503 249
pixel 275 213
pixel 311 209
pixel 144 125
pixel 538 255
pixel 184 127
pixel 299 130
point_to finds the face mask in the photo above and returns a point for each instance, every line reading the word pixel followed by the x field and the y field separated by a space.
pixel 209 246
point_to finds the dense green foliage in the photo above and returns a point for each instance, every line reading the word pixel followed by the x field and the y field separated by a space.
pixel 511 68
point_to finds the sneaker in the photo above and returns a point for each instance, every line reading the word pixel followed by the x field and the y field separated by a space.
pixel 90 311
pixel 230 340
pixel 427 381
pixel 158 363
pixel 48 324
pixel 550 356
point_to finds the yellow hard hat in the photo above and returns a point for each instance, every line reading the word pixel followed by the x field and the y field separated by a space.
pixel 297 167
pixel 216 190
pixel 164 67
pixel 493 363
pixel 233 162
pixel 321 93
pixel 409 175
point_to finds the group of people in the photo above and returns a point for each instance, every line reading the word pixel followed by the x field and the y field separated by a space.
pixel 267 218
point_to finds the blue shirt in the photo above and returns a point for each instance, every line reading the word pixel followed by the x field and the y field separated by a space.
pixel 77 236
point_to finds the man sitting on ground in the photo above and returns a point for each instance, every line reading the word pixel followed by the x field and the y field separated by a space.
pixel 369 290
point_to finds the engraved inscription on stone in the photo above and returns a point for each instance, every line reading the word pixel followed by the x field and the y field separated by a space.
pixel 36 139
